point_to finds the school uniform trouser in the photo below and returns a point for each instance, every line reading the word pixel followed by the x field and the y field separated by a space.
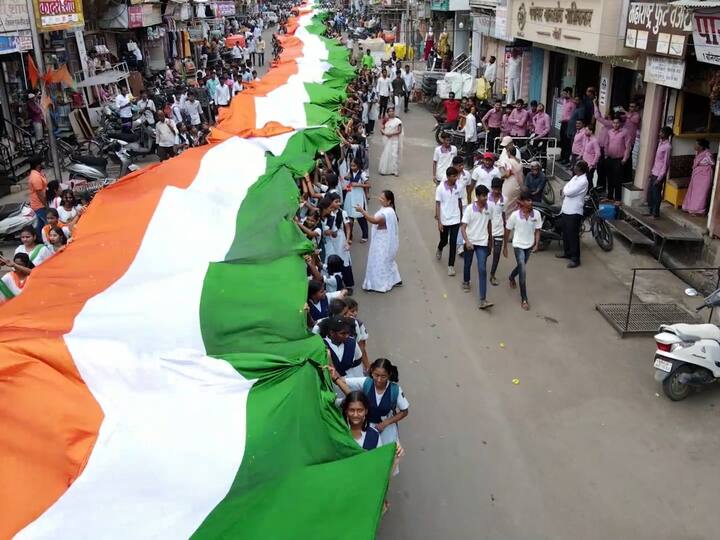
pixel 655 192
pixel 481 253
pixel 370 126
pixel 406 98
pixel 571 224
pixel 520 271
pixel 497 249
pixel 565 145
pixel 614 175
pixel 449 233
pixel 363 227
pixel 347 275
pixel 383 105
pixel 262 58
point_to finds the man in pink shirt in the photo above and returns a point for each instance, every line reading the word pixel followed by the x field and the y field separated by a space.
pixel 568 107
pixel 591 153
pixel 578 142
pixel 541 129
pixel 617 153
pixel 492 121
pixel 518 119
pixel 659 171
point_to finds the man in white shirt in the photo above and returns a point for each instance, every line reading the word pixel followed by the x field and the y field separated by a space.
pixel 147 108
pixel 514 65
pixel 124 107
pixel 442 158
pixel 571 213
pixel 470 130
pixel 525 223
pixel 236 51
pixel 477 233
pixel 222 93
pixel 490 73
pixel 486 170
pixel 165 134
pixel 448 213
pixel 409 78
pixel 383 88
pixel 193 109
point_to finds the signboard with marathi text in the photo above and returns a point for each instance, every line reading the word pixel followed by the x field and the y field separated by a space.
pixel 52 15
pixel 665 71
pixel 13 16
pixel 706 35
pixel 658 28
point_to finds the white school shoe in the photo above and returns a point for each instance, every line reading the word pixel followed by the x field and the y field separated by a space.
pixel 451 270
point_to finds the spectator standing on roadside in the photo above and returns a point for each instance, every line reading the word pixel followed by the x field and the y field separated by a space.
pixel 193 109
pixel 37 188
pixel 37 117
pixel 409 78
pixel 166 132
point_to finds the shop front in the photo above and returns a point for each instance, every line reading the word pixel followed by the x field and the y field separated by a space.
pixel 491 33
pixel 570 43
pixel 15 41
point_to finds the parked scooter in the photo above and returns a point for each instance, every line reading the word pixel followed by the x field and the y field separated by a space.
pixel 13 217
pixel 88 174
pixel 688 355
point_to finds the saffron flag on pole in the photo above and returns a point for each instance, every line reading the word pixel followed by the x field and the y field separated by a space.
pixel 158 377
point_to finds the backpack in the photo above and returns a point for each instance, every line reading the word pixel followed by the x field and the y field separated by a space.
pixel 394 391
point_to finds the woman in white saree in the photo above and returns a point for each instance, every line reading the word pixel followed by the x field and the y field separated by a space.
pixel 392 145
pixel 382 272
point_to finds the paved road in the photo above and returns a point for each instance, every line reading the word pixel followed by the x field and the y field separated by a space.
pixel 582 448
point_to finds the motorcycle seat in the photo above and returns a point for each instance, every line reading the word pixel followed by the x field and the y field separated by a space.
pixel 552 209
pixel 693 332
pixel 93 161
pixel 127 137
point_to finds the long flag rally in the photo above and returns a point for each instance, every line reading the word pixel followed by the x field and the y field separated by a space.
pixel 174 391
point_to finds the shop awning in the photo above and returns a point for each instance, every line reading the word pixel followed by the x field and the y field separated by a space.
pixel 696 3
pixel 111 76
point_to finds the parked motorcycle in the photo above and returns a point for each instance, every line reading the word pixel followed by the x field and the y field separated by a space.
pixel 88 174
pixel 13 217
pixel 688 355
pixel 551 222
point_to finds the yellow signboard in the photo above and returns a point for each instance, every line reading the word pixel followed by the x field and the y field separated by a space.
pixel 51 15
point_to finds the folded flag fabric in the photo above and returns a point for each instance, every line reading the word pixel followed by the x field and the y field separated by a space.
pixel 158 377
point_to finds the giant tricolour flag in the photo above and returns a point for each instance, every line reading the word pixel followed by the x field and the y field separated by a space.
pixel 157 379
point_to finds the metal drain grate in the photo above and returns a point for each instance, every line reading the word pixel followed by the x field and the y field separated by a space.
pixel 644 318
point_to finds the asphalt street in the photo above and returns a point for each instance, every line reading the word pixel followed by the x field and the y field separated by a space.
pixel 528 425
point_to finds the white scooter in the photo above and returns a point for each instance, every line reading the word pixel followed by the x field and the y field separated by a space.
pixel 688 355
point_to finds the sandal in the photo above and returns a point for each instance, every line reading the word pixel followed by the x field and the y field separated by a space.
pixel 525 305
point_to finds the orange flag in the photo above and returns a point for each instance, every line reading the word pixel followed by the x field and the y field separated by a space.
pixel 33 73
pixel 61 75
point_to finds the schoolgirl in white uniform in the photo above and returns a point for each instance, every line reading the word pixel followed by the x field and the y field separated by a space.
pixel 338 223
pixel 357 188
pixel 13 283
pixel 38 253
pixel 344 351
pixel 388 404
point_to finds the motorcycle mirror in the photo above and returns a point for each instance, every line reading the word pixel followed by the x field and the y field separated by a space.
pixel 691 292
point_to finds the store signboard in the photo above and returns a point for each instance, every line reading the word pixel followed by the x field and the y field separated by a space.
pixel 13 16
pixel 706 35
pixel 440 5
pixel 224 9
pixel 501 24
pixel 135 16
pixel 658 28
pixel 665 71
pixel 52 15
pixel 8 44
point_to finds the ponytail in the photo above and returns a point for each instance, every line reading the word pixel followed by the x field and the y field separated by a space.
pixel 388 366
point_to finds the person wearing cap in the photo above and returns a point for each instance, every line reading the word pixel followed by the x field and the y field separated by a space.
pixel 442 158
pixel 535 181
pixel 510 166
pixel 486 170
pixel 37 117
